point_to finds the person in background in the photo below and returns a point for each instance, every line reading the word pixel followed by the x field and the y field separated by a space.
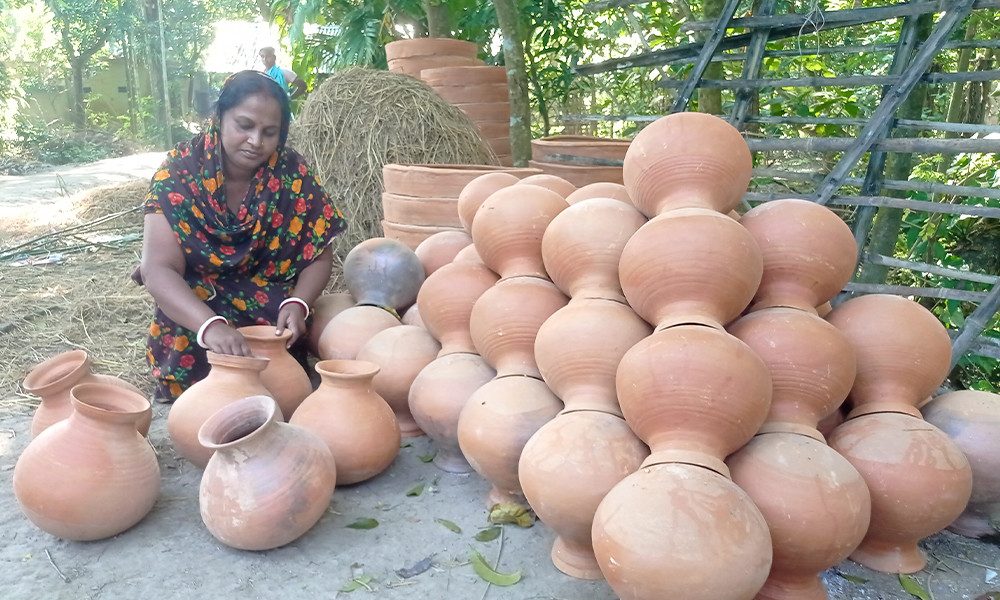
pixel 286 78
pixel 237 231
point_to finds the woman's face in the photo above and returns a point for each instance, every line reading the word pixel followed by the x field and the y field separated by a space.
pixel 250 133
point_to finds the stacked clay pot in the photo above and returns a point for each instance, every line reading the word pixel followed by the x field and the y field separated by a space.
pixel 919 479
pixel 692 392
pixel 481 93
pixel 581 160
pixel 411 56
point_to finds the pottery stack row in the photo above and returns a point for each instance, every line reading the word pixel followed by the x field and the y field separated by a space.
pixel 580 159
pixel 411 56
pixel 481 93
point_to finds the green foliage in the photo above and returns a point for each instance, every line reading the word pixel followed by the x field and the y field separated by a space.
pixel 58 146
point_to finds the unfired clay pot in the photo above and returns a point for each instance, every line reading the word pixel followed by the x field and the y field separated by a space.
pixel 348 331
pixel 437 397
pixel 91 475
pixel 267 482
pixel 477 191
pixel 446 300
pixel 357 425
pixel 284 377
pixel 566 469
pixel 400 354
pixel 412 317
pixel 325 308
pixel 469 254
pixel 440 249
pixel 383 272
pixel 509 226
pixel 603 189
pixel 550 182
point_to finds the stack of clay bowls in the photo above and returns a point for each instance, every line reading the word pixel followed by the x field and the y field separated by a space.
pixel 410 57
pixel 481 93
pixel 580 159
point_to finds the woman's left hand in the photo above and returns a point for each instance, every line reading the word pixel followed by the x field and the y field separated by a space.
pixel 292 317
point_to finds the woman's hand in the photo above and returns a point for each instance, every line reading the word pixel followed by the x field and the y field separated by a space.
pixel 223 339
pixel 292 317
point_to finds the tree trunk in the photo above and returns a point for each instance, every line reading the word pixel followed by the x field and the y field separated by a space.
pixel 517 81
pixel 710 101
pixel 438 19
pixel 543 107
pixel 77 114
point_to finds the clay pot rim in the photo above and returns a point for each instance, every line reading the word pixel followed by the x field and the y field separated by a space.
pixel 788 427
pixel 344 368
pixel 689 458
pixel 108 402
pixel 688 321
pixel 264 333
pixel 35 381
pixel 589 410
pixel 872 408
pixel 254 362
pixel 263 408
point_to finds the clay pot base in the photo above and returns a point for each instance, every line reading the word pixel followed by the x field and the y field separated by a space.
pixel 975 521
pixel 451 460
pixel 792 588
pixel 407 426
pixel 889 558
pixel 575 561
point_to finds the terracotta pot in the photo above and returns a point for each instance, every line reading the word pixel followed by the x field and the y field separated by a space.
pixel 469 254
pixel 383 272
pixel 440 249
pixel 285 379
pixel 690 266
pixel 549 182
pixel 430 47
pixel 495 424
pixel 473 94
pixel 412 317
pixel 412 235
pixel 919 480
pixel 508 229
pixel 972 420
pixel 903 351
pixel 400 354
pixel 438 181
pixel 415 65
pixel 437 397
pixel 579 347
pixel 356 424
pixel 580 175
pixel 90 476
pixel 582 246
pixel 687 159
pixel 566 469
pixel 812 365
pixel 420 210
pixel 505 320
pixel 816 505
pixel 603 189
pixel 493 128
pixel 325 308
pixel 446 300
pixel 552 148
pixel 230 378
pixel 465 75
pixel 477 191
pixel 809 253
pixel 718 547
pixel 347 332
pixel 492 111
pixel 693 394
pixel 268 482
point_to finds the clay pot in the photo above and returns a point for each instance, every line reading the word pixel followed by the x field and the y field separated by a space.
pixel 411 235
pixel 430 47
pixel 268 482
pixel 580 175
pixel 694 394
pixel 437 397
pixel 325 308
pixel 495 424
pixel 230 378
pixel 604 189
pixel 690 266
pixel 400 354
pixel 553 148
pixel 465 75
pixel 903 351
pixel 469 254
pixel 972 420
pixel 579 347
pixel 285 379
pixel 566 469
pixel 420 210
pixel 919 480
pixel 412 317
pixel 347 332
pixel 492 111
pixel 505 320
pixel 473 94
pixel 508 229
pixel 687 159
pixel 52 379
pixel 809 253
pixel 582 246
pixel 91 475
pixel 493 128
pixel 477 191
pixel 446 300
pixel 383 272
pixel 357 425
pixel 439 181
pixel 550 182
pixel 440 249
pixel 718 546
pixel 812 365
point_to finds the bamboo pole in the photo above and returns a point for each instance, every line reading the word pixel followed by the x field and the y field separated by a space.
pixel 919 205
pixel 920 292
pixel 842 81
pixel 704 57
pixel 888 261
pixel 751 68
pixel 844 144
pixel 974 325
pixel 930 187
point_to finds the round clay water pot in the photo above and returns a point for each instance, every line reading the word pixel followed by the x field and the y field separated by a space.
pixel 582 246
pixel 603 189
pixel 566 469
pixel 356 424
pixel 919 480
pixel 477 191
pixel 508 229
pixel 719 547
pixel 553 183
pixel 229 379
pixel 690 266
pixel 903 351
pixel 437 397
pixel 505 320
pixel 285 379
pixel 685 160
pixel 267 482
pixel 351 329
pixel 412 317
pixel 383 272
pixel 400 353
pixel 579 347
pixel 816 505
pixel 495 424
pixel 325 308
pixel 91 475
pixel 972 420
pixel 440 249
pixel 469 254
pixel 809 253
pixel 446 300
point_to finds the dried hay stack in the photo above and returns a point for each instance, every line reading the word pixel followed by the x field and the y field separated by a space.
pixel 361 119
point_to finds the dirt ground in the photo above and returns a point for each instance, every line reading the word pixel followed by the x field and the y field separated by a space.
pixel 170 554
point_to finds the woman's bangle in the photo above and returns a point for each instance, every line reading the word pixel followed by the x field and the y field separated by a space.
pixel 295 300
pixel 204 326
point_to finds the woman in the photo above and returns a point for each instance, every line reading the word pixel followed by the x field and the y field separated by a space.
pixel 237 232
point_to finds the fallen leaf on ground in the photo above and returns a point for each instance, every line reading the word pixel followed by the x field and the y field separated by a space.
pixel 449 525
pixel 913 587
pixel 852 578
pixel 415 490
pixel 357 583
pixel 487 573
pixel 416 569
pixel 426 457
pixel 363 524
pixel 511 512
pixel 488 535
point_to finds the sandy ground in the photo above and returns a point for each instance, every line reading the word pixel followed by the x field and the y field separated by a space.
pixel 170 554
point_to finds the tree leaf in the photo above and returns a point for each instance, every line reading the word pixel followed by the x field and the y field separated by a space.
pixel 487 573
pixel 852 578
pixel 449 525
pixel 511 512
pixel 488 535
pixel 913 587
pixel 363 524
pixel 405 444
pixel 427 457
pixel 357 583
pixel 415 490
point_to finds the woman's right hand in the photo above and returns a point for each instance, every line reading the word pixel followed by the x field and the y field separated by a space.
pixel 224 339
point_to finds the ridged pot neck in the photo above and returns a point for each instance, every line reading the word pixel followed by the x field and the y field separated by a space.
pixel 238 423
pixel 107 403
pixel 57 373
pixel 884 407
pixel 343 372
pixel 791 428
pixel 231 362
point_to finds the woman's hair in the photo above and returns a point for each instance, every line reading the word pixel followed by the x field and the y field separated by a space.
pixel 247 83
